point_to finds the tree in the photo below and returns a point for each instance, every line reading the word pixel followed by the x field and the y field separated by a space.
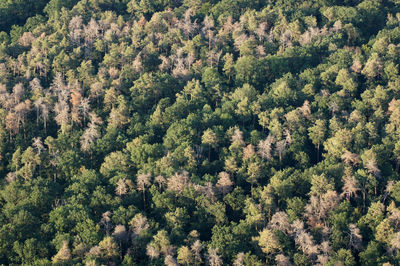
pixel 350 185
pixel 265 147
pixel 122 187
pixel 213 258
pixel 268 241
pixel 143 181
pixel 254 173
pixel 161 243
pixel 373 68
pixel 350 158
pixel 369 161
pixel 119 116
pixel 185 256
pixel 38 145
pixel 120 234
pixel 90 135
pixel 208 23
pixel 209 138
pixel 355 238
pixel 63 255
pixel 178 182
pixel 196 248
pixel 139 224
pixel 280 221
pixel 282 260
pixel 280 148
pixel 12 124
pixel 30 161
pixel 108 248
pixel 224 184
pixel 170 261
pixel 317 134
pixel 229 65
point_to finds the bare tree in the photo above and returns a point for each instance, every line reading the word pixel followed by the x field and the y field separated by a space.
pixel 91 33
pixel 84 107
pixel 152 252
pixel 166 64
pixel 320 206
pixel 75 29
pixel 213 57
pixel 394 216
pixel 237 137
pixel 189 28
pixel 37 104
pixel 280 221
pixel 122 187
pixel 260 51
pixel 38 145
pixel 62 117
pixel 120 234
pixel 196 248
pixel 224 184
pixel 248 151
pixel 138 224
pixel 12 124
pixel 89 136
pixel 208 24
pixel 143 181
pixel 106 221
pixel 26 39
pixel 22 110
pixel 261 30
pixel 91 133
pixel 288 136
pixel 45 116
pixel 178 182
pixel 239 40
pixel 213 258
pixel 11 177
pixel 161 181
pixel 265 147
pixel 372 167
pixel 35 85
pixel 350 186
pixel 170 261
pixel 18 92
pixel 306 244
pixel 350 158
pixel 58 87
pixel 282 260
pixel 395 241
pixel 355 238
pixel 137 63
pixel 96 90
pixel 322 259
pixel 239 261
pixel 281 148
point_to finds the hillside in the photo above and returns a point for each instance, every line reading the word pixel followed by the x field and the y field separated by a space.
pixel 190 132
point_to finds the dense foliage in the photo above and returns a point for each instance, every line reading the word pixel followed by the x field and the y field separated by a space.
pixel 235 132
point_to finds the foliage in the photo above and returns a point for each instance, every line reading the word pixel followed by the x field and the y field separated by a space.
pixel 199 132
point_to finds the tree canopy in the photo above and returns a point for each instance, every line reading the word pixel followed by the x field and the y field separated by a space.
pixel 193 132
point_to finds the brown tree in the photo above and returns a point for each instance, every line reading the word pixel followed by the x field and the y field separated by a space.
pixel 265 147
pixel 178 182
pixel 224 184
pixel 63 255
pixel 122 187
pixel 143 181
pixel 213 258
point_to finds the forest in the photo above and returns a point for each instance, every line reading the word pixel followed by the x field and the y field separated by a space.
pixel 200 132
